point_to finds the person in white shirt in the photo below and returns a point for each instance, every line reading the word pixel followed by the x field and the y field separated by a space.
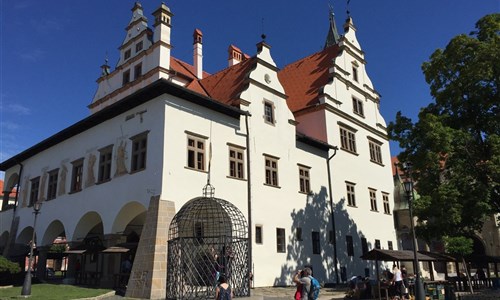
pixel 397 280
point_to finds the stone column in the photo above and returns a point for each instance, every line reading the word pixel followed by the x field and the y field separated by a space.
pixel 41 262
pixel 149 270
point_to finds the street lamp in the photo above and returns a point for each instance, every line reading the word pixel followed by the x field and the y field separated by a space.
pixel 26 291
pixel 410 193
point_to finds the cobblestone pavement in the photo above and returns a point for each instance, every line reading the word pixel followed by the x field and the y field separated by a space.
pixel 286 293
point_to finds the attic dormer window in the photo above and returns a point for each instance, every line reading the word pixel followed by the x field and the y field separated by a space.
pixel 355 73
pixel 138 47
pixel 268 112
pixel 127 54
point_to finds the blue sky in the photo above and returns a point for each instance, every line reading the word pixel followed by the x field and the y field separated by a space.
pixel 51 51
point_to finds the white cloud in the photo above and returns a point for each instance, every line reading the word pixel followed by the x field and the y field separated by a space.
pixel 18 109
pixel 32 56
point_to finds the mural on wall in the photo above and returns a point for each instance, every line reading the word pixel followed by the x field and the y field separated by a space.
pixel 24 192
pixel 121 156
pixel 90 171
pixel 41 194
pixel 62 180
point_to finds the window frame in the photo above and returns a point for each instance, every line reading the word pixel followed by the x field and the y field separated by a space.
pixel 298 234
pixel 236 162
pixel 105 164
pixel 375 148
pixel 126 77
pixel 34 191
pixel 127 54
pixel 364 245
pixel 52 184
pixel 195 154
pixel 139 46
pixel 373 199
pixel 357 107
pixel 139 156
pixel 316 242
pixel 355 74
pixel 280 240
pixel 348 139
pixel 387 204
pixel 349 245
pixel 390 246
pixel 77 175
pixel 259 234
pixel 377 244
pixel 137 71
pixel 304 179
pixel 351 193
pixel 269 112
pixel 271 171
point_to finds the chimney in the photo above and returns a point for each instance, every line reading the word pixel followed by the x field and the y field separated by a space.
pixel 235 55
pixel 198 53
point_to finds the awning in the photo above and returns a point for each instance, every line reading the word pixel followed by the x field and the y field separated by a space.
pixel 75 251
pixel 116 250
pixel 438 256
pixel 394 255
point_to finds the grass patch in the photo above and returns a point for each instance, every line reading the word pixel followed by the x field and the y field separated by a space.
pixel 44 291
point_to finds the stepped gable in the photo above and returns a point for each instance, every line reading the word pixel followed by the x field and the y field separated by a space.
pixel 227 85
pixel 304 79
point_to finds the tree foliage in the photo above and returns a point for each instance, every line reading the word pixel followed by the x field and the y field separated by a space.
pixel 8 266
pixel 454 146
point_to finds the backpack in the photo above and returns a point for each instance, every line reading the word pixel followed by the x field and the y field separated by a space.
pixel 314 289
pixel 224 294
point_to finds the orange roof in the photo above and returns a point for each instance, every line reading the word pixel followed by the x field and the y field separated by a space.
pixel 303 79
pixel 226 85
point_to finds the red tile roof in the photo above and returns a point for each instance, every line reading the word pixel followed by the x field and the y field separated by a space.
pixel 226 85
pixel 184 68
pixel 303 79
pixel 13 192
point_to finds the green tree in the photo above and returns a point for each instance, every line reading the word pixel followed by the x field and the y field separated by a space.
pixel 454 146
pixel 460 246
pixel 8 266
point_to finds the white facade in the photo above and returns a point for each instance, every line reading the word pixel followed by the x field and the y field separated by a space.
pixel 166 107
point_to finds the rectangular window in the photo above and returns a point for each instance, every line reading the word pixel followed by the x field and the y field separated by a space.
pixel 350 245
pixel 357 107
pixel 351 197
pixel 269 112
pixel 138 47
pixel 137 71
pixel 236 163
pixel 126 77
pixel 377 244
pixel 52 186
pixel 355 73
pixel 389 245
pixel 196 153
pixel 35 187
pixel 280 240
pixel 298 233
pixel 304 181
pixel 105 159
pixel 385 199
pixel 127 54
pixel 331 237
pixel 315 243
pixel 373 199
pixel 77 176
pixel 271 171
pixel 139 151
pixel 347 140
pixel 375 152
pixel 258 234
pixel 364 245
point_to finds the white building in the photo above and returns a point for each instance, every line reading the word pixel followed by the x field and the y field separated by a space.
pixel 159 127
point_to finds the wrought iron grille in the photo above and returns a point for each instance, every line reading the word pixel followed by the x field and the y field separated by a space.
pixel 207 238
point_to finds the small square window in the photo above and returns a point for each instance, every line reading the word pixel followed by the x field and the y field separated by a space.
pixel 139 151
pixel 357 107
pixel 355 73
pixel 373 199
pixel 236 163
pixel 271 168
pixel 375 152
pixel 385 199
pixel 304 179
pixel 377 244
pixel 196 153
pixel 351 197
pixel 347 140
pixel 137 71
pixel 105 160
